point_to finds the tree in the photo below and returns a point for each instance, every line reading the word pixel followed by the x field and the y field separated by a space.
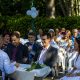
pixel 50 8
pixel 47 8
pixel 75 7
pixel 13 7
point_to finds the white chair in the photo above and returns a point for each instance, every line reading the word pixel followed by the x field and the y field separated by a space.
pixel 62 58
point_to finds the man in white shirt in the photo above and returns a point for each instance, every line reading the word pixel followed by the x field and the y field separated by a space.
pixel 42 55
pixel 48 55
pixel 5 65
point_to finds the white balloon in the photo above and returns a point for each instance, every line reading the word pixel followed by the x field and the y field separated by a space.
pixel 37 13
pixel 33 9
pixel 33 14
pixel 28 12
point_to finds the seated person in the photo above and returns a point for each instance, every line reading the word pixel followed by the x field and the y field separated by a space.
pixel 48 55
pixel 74 74
pixel 5 65
pixel 6 40
pixel 33 46
pixel 17 51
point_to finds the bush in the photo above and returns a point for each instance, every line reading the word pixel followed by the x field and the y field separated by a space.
pixel 24 23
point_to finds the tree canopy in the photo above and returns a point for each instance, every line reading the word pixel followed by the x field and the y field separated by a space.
pixel 46 7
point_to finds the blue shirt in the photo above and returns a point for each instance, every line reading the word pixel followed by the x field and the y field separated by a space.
pixel 5 65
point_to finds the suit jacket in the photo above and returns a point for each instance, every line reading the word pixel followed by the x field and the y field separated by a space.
pixel 36 48
pixel 22 52
pixel 50 56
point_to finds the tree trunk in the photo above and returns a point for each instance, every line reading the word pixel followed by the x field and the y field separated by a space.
pixel 62 7
pixel 50 8
pixel 78 7
pixel 65 7
pixel 75 7
pixel 68 7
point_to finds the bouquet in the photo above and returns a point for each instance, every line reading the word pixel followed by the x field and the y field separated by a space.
pixel 35 65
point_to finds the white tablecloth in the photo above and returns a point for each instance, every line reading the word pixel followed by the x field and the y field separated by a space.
pixel 29 75
pixel 25 75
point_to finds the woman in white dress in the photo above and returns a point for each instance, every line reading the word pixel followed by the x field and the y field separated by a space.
pixel 74 74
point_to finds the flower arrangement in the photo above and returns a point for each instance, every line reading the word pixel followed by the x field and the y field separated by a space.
pixel 35 66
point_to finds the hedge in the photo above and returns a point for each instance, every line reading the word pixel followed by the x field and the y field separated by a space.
pixel 24 23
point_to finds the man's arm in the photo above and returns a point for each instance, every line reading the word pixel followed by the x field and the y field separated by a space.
pixel 8 67
pixel 25 54
pixel 55 56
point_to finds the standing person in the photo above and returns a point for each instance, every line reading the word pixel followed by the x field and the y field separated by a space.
pixel 74 74
pixel 6 66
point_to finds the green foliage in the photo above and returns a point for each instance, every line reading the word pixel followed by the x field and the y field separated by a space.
pixel 24 23
pixel 62 7
pixel 41 6
pixel 34 66
pixel 13 7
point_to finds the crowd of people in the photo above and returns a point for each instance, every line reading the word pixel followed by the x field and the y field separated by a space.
pixel 59 47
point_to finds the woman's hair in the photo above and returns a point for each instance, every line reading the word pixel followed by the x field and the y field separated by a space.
pixel 78 41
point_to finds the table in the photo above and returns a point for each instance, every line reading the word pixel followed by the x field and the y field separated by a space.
pixel 30 75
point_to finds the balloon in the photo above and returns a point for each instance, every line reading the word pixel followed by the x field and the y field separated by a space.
pixel 33 14
pixel 37 13
pixel 33 9
pixel 28 12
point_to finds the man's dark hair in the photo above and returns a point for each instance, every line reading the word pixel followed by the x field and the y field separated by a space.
pixel 6 33
pixel 47 34
pixel 31 33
